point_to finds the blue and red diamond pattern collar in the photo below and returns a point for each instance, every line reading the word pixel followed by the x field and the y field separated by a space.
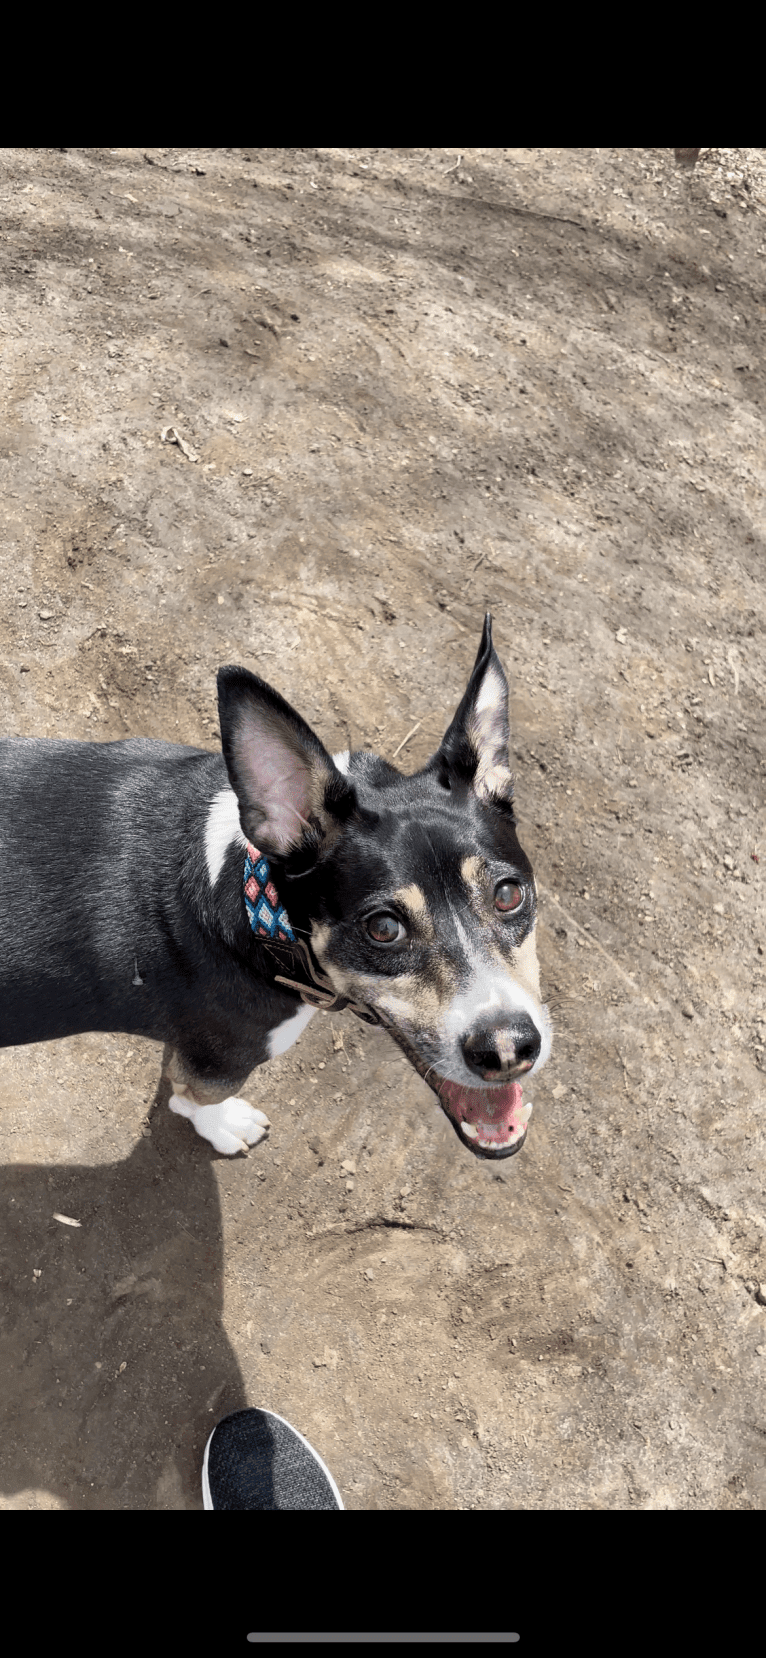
pixel 268 918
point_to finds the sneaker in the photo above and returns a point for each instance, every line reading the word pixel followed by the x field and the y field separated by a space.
pixel 255 1459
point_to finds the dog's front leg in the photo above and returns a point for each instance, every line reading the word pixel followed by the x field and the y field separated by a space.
pixel 230 1124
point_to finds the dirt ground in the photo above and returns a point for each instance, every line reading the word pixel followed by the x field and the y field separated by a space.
pixel 411 385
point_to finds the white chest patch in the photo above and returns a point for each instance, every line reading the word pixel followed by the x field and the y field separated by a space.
pixel 283 1036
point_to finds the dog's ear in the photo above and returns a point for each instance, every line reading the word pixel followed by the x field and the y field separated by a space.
pixel 475 746
pixel 292 798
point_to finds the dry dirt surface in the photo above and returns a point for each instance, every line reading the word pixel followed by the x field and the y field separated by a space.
pixel 408 386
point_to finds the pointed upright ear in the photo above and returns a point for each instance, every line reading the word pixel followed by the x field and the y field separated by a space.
pixel 291 795
pixel 476 744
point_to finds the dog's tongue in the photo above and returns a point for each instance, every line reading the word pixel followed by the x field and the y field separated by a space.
pixel 492 1118
pixel 492 1121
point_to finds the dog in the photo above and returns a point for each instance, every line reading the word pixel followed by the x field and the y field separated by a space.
pixel 213 901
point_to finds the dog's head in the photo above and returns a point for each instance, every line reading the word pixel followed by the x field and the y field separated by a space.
pixel 414 891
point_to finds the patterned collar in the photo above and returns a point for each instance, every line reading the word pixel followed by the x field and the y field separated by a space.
pixel 267 917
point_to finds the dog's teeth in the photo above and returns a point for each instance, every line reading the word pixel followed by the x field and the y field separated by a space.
pixel 483 1133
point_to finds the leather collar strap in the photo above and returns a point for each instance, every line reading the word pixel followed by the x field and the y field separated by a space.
pixel 322 992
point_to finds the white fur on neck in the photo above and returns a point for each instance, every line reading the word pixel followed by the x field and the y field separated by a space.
pixel 222 827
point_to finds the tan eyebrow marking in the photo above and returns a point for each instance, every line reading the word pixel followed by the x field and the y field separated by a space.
pixel 413 901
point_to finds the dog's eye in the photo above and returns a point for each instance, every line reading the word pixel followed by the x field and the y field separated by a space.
pixel 385 929
pixel 508 896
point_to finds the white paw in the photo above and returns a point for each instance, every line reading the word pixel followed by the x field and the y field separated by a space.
pixel 231 1126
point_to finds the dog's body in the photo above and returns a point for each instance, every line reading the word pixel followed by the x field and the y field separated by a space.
pixel 166 891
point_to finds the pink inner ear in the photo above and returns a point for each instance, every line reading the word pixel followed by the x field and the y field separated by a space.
pixel 278 781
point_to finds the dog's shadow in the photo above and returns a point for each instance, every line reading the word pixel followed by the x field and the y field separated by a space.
pixel 115 1365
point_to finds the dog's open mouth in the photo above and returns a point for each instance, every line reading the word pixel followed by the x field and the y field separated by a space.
pixel 492 1122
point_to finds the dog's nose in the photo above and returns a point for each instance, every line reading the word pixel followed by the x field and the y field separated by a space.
pixel 502 1050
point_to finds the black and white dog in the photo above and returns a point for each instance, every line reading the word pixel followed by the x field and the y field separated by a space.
pixel 213 901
